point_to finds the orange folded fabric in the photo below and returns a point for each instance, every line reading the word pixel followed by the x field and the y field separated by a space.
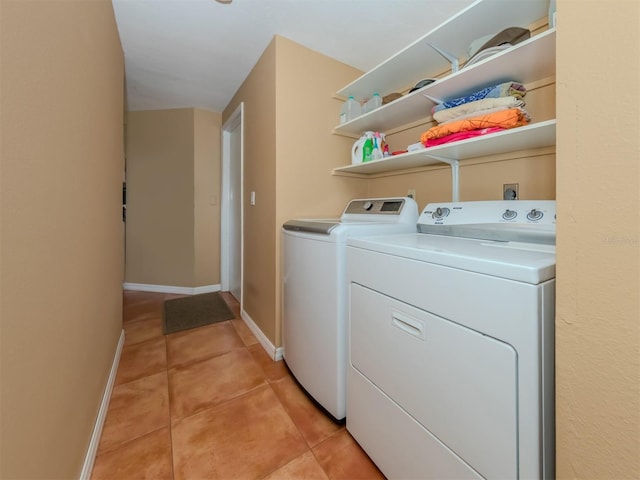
pixel 513 117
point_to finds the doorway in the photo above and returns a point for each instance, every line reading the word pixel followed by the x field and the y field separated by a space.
pixel 232 205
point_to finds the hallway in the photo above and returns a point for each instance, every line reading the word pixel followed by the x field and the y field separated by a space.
pixel 209 403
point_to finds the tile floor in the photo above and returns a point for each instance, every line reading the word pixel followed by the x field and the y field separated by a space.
pixel 209 403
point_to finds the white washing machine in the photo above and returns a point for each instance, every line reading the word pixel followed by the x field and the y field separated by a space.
pixel 315 291
pixel 451 368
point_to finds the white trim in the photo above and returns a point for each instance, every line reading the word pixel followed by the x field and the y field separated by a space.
pixel 90 457
pixel 206 289
pixel 272 351
pixel 144 287
pixel 236 119
pixel 278 354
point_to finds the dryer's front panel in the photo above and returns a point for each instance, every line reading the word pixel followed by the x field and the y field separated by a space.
pixel 459 384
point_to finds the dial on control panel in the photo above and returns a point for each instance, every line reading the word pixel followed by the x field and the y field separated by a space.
pixel 535 215
pixel 440 212
pixel 509 214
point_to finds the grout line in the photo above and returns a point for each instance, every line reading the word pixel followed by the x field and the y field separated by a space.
pixel 172 457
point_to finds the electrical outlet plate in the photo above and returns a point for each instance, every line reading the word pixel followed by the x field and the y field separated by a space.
pixel 510 191
pixel 411 193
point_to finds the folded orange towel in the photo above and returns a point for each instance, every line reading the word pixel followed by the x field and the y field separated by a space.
pixel 513 117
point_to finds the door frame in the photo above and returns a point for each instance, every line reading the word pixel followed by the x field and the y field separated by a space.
pixel 226 222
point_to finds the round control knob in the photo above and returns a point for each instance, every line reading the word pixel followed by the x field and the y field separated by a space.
pixel 367 206
pixel 509 214
pixel 534 215
pixel 440 212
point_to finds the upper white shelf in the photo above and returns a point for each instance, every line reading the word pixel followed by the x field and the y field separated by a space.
pixel 526 62
pixel 536 135
pixel 418 60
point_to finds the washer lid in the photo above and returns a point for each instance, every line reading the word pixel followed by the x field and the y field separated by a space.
pixel 523 262
pixel 321 226
pixel 399 214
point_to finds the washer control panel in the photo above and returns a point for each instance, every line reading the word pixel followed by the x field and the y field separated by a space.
pixel 505 220
pixel 397 210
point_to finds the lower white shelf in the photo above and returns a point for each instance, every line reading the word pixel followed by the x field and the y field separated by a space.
pixel 536 135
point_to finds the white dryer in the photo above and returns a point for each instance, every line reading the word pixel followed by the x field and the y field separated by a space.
pixel 315 290
pixel 452 343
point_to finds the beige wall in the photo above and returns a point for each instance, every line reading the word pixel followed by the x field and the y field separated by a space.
pixel 61 258
pixel 306 151
pixel 258 94
pixel 598 271
pixel 173 176
pixel 207 197
pixel 288 157
pixel 160 202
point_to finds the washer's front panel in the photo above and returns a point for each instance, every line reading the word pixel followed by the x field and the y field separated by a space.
pixel 313 320
pixel 458 384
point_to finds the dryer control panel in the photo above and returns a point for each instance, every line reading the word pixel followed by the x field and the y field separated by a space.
pixel 531 221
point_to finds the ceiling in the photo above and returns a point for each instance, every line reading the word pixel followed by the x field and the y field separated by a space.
pixel 197 53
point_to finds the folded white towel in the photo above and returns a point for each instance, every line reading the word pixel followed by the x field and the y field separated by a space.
pixel 479 107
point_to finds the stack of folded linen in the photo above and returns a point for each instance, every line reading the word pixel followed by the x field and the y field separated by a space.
pixel 489 110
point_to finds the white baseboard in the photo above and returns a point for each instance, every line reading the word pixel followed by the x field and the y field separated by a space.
pixel 90 457
pixel 270 348
pixel 144 287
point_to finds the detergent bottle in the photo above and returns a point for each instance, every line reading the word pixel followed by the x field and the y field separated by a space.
pixel 367 148
pixel 356 150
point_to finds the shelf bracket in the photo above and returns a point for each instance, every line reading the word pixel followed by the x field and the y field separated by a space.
pixel 455 181
pixel 433 99
pixel 455 175
pixel 452 59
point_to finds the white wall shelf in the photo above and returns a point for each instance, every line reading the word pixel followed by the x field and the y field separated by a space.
pixel 536 135
pixel 419 60
pixel 526 62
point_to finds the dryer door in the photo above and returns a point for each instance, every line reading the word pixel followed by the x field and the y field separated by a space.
pixel 459 384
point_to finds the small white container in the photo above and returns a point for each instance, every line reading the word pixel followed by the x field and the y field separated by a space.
pixel 350 109
pixel 374 102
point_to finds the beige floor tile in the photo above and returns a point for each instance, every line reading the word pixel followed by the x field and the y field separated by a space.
pixel 245 438
pixel 236 413
pixel 246 335
pixel 144 305
pixel 201 343
pixel 232 303
pixel 312 422
pixel 142 330
pixel 201 385
pixel 135 409
pixel 141 360
pixel 273 370
pixel 146 457
pixel 343 459
pixel 303 467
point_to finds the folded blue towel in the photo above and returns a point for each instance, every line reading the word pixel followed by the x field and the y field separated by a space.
pixel 506 89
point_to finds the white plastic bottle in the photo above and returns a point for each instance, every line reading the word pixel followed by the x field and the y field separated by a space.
pixel 374 102
pixel 350 109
